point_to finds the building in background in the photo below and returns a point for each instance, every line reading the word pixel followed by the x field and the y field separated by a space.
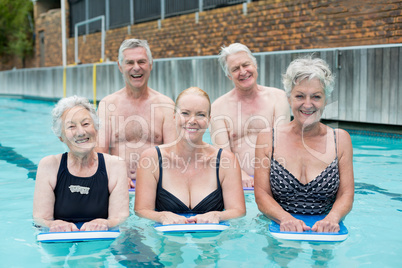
pixel 180 28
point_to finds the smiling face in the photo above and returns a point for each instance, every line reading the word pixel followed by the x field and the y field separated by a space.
pixel 78 130
pixel 135 68
pixel 307 101
pixel 192 117
pixel 242 70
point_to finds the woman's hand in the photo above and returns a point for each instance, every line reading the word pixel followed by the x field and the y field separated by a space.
pixel 326 225
pixel 291 224
pixel 62 226
pixel 209 217
pixel 172 218
pixel 95 225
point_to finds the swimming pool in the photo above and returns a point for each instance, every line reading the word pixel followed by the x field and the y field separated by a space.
pixel 374 223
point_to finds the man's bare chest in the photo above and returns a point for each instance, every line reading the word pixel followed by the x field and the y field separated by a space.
pixel 142 127
pixel 245 124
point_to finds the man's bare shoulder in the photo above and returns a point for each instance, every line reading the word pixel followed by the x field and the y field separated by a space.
pixel 222 102
pixel 114 97
pixel 157 97
pixel 273 91
pixel 272 95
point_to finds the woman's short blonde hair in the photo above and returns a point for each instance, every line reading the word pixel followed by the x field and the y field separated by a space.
pixel 193 91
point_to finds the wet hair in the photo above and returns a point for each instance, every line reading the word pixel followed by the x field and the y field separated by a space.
pixel 133 43
pixel 193 91
pixel 66 104
pixel 309 68
pixel 233 49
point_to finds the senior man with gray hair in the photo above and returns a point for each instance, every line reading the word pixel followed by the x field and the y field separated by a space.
pixel 239 115
pixel 136 117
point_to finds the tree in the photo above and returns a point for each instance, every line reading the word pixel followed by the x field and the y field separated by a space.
pixel 16 28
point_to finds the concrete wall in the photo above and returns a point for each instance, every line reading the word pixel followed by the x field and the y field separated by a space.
pixel 368 85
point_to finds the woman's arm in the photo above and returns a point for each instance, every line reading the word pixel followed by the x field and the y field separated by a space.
pixel 145 192
pixel 232 190
pixel 262 188
pixel 344 198
pixel 119 196
pixel 43 202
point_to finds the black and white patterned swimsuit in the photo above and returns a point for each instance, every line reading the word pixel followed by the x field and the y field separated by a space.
pixel 315 197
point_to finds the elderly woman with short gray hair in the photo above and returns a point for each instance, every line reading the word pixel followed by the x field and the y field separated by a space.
pixel 305 167
pixel 80 189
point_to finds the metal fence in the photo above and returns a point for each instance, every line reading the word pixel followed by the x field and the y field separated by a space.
pixel 368 84
pixel 120 13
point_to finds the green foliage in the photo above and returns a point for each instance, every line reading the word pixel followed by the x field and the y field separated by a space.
pixel 16 28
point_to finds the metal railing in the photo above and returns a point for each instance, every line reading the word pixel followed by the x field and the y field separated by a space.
pixel 87 22
pixel 119 13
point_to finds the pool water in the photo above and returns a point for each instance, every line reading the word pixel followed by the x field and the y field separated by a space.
pixel 374 223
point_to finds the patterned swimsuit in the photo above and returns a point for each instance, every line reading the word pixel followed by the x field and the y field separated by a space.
pixel 315 197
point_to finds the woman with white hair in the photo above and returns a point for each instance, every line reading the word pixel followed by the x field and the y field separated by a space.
pixel 305 167
pixel 79 186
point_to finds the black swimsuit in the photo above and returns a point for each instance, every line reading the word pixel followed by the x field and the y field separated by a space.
pixel 79 199
pixel 165 201
pixel 315 197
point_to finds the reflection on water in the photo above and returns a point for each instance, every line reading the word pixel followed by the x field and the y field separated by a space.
pixel 366 188
pixel 142 245
pixel 72 254
pixel 130 251
pixel 283 252
pixel 10 156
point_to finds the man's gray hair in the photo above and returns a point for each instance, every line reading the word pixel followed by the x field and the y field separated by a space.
pixel 233 49
pixel 133 43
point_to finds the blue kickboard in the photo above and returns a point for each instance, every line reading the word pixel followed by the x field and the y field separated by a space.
pixel 309 235
pixel 192 227
pixel 78 236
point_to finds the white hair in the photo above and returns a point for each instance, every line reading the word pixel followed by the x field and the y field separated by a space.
pixel 308 68
pixel 233 49
pixel 68 103
pixel 133 43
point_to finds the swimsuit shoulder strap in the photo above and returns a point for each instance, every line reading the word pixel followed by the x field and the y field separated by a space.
pixel 336 147
pixel 63 163
pixel 101 162
pixel 273 141
pixel 158 150
pixel 218 160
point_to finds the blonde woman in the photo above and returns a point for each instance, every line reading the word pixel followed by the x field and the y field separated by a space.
pixel 189 176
